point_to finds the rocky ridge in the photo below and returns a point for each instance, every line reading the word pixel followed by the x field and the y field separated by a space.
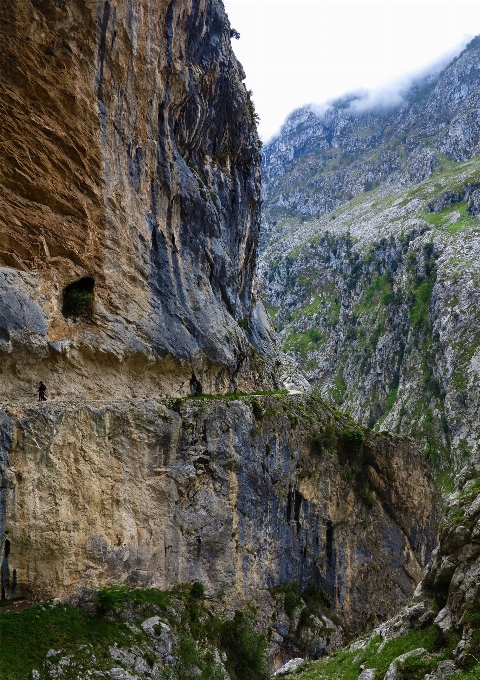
pixel 324 158
pixel 377 299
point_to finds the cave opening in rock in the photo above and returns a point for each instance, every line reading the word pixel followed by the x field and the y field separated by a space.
pixel 195 385
pixel 78 298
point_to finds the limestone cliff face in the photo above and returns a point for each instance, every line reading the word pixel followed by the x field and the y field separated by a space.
pixel 128 160
pixel 241 495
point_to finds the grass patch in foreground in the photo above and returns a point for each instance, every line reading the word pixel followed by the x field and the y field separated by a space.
pixel 473 674
pixel 341 666
pixel 200 629
pixel 26 637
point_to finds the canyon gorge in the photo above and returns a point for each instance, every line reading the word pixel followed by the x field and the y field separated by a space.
pixel 173 510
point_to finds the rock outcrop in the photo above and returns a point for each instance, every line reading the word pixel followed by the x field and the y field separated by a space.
pixel 242 495
pixel 437 635
pixel 129 167
pixel 452 578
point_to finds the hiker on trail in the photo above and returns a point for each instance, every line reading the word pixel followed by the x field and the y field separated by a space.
pixel 42 388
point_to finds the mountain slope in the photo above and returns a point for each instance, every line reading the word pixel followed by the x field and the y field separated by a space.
pixel 370 253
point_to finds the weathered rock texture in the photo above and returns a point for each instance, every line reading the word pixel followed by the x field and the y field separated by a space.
pixel 128 155
pixel 322 159
pixel 445 605
pixel 453 575
pixel 235 494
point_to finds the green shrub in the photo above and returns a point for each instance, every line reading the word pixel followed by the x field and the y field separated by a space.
pixel 159 598
pixel 293 420
pixel 419 311
pixel 257 409
pixel 187 657
pixel 472 616
pixel 291 597
pixel 314 597
pixel 315 336
pixel 324 439
pixel 198 590
pixel 415 668
pixel 352 441
pixel 176 404
pixel 391 398
pixel 254 117
pixel 110 598
pixel 244 647
pixel 316 443
pixel 291 600
pixel 150 658
pixel 368 498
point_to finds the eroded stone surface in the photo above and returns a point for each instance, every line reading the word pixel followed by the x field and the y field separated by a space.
pixel 128 155
pixel 210 492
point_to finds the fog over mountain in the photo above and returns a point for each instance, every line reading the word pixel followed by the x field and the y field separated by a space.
pixel 351 194
pixel 394 92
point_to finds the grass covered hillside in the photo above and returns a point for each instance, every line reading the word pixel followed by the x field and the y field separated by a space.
pixel 370 255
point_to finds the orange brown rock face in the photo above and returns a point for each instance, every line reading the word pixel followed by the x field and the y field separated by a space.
pixel 51 170
pixel 128 157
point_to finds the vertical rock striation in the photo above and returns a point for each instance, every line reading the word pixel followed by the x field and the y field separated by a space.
pixel 129 158
pixel 241 495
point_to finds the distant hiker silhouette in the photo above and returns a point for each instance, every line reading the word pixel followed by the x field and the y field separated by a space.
pixel 42 388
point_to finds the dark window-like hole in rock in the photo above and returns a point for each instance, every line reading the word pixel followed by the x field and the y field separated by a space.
pixel 7 548
pixel 195 385
pixel 78 299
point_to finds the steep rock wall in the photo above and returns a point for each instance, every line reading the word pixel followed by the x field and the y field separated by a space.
pixel 128 157
pixel 380 308
pixel 241 495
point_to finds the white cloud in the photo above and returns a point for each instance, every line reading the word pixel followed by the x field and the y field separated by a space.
pixel 299 51
pixel 392 93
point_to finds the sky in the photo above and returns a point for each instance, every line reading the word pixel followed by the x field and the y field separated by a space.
pixel 298 52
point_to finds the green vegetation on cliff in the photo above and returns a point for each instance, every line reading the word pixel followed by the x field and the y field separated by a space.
pixel 184 636
pixel 379 308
